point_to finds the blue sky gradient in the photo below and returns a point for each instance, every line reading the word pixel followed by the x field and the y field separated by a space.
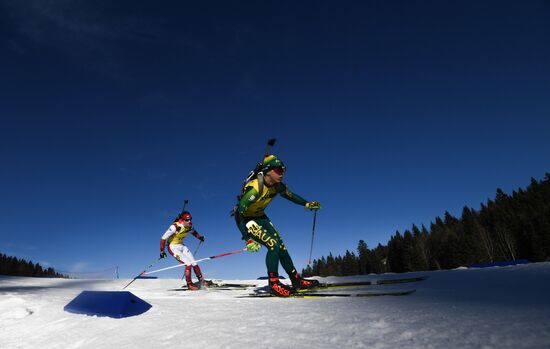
pixel 388 113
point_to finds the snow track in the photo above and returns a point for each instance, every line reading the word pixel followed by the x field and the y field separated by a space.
pixel 504 307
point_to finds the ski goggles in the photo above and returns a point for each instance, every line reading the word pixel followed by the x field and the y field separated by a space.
pixel 279 170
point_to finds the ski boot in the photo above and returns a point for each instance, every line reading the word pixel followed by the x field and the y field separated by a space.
pixel 205 283
pixel 299 283
pixel 192 287
pixel 278 289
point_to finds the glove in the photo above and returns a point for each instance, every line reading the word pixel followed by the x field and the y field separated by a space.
pixel 162 254
pixel 252 246
pixel 201 238
pixel 313 205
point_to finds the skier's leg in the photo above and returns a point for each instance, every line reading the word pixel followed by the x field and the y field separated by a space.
pixel 187 256
pixel 284 256
pixel 267 236
pixel 190 285
pixel 272 260
pixel 184 256
pixel 271 239
pixel 286 261
pixel 264 233
pixel 198 272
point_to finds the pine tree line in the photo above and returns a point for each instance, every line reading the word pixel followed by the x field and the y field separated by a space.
pixel 510 227
pixel 20 267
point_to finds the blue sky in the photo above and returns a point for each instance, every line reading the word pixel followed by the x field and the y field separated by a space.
pixel 388 113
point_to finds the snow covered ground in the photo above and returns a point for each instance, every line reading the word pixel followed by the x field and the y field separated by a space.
pixel 506 307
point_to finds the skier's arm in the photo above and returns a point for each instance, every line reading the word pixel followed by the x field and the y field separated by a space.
pixel 166 235
pixel 250 194
pixel 197 235
pixel 289 195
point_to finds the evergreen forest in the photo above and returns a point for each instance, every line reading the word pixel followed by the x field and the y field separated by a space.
pixel 20 267
pixel 507 228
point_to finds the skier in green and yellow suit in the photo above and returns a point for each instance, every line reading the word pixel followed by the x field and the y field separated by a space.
pixel 257 228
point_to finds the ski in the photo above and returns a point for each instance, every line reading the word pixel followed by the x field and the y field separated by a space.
pixel 215 286
pixel 386 293
pixel 328 295
pixel 233 285
pixel 207 288
pixel 212 285
pixel 399 281
pixel 321 287
pixel 333 285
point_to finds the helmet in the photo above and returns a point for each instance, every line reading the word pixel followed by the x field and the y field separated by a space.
pixel 185 215
pixel 270 162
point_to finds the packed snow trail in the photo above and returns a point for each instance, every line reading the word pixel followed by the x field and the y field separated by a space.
pixel 504 307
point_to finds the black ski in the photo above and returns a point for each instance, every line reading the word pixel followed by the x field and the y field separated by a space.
pixel 327 295
pixel 399 281
pixel 234 285
pixel 207 288
pixel 218 286
pixel 370 282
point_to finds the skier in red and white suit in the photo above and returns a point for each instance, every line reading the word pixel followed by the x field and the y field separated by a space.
pixel 181 227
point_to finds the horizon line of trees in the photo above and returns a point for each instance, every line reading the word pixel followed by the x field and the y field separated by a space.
pixel 19 267
pixel 510 227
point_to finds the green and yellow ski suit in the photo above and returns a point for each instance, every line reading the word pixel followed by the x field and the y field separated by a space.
pixel 251 206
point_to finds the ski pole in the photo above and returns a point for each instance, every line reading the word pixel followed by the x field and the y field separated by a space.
pixel 143 272
pixel 198 260
pixel 197 249
pixel 312 235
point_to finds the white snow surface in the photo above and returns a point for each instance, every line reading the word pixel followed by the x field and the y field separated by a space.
pixel 499 307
